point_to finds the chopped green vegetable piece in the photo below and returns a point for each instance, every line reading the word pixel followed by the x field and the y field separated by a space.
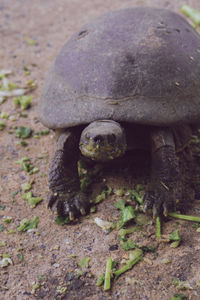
pixel 62 221
pixel 23 101
pixel 6 261
pixel 8 220
pixel 1 228
pixel 142 219
pixel 26 186
pixel 100 280
pixel 192 13
pixel 2 244
pixel 32 201
pixel 128 245
pixel 174 236
pixel 125 231
pixel 178 297
pixel 26 224
pixel 23 132
pixel 41 277
pixel 43 132
pixel 158 228
pixel 120 192
pixel 135 256
pixel 12 86
pixel 184 217
pixel 20 256
pixel 108 274
pixel 128 214
pixel 2 125
pixel 84 263
pixel 182 285
pixel 105 225
pixel 30 42
pixel 137 195
pixel 175 244
pixel 4 115
pixel 120 204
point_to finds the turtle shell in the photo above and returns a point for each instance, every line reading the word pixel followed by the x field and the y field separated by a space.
pixel 139 65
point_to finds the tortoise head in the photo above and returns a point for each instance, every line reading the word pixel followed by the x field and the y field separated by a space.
pixel 103 140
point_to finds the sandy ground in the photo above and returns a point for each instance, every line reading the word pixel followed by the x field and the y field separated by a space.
pixel 45 260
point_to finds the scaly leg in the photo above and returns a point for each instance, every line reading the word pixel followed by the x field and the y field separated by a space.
pixel 64 181
pixel 165 186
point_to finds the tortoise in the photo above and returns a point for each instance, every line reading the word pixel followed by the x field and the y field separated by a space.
pixel 128 79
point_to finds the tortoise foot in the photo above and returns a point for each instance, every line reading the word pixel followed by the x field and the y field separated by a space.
pixel 162 198
pixel 69 204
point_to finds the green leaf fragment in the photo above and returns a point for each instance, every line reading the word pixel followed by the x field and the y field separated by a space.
pixel 26 186
pixel 62 221
pixel 23 101
pixel 4 115
pixel 23 132
pixel 30 41
pixel 128 214
pixel 1 228
pixel 84 263
pixel 100 280
pixel 174 236
pixel 128 245
pixel 32 201
pixel 182 285
pixel 26 224
pixel 20 256
pixel 2 125
pixel 178 297
pixel 120 204
pixel 105 225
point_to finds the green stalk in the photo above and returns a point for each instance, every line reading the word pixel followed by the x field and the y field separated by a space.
pixel 158 228
pixel 130 263
pixel 184 217
pixel 108 274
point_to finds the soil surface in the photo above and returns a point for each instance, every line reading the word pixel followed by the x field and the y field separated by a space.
pixel 44 261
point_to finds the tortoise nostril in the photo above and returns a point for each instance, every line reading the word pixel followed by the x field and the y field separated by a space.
pixel 98 139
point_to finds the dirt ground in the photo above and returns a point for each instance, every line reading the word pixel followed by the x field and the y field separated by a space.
pixel 44 260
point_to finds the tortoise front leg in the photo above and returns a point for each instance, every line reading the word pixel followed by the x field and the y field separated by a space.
pixel 165 186
pixel 64 181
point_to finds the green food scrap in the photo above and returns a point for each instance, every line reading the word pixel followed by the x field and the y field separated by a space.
pixel 182 285
pixel 4 115
pixel 192 13
pixel 20 256
pixel 12 86
pixel 105 225
pixel 175 238
pixel 1 228
pixel 62 221
pixel 8 220
pixel 2 207
pixel 61 289
pixel 108 274
pixel 102 196
pixel 23 132
pixel 84 263
pixel 23 101
pixel 178 297
pixel 6 261
pixel 100 280
pixel 137 193
pixel 35 286
pixel 128 245
pixel 26 186
pixel 120 192
pixel 125 231
pixel 26 224
pixel 30 42
pixel 32 201
pixel 184 217
pixel 158 228
pixel 2 125
pixel 134 257
pixel 128 214
pixel 120 204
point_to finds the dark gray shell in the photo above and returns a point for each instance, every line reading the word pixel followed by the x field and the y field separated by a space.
pixel 138 65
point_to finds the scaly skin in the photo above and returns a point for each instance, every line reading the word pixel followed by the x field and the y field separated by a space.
pixel 63 177
pixel 165 186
